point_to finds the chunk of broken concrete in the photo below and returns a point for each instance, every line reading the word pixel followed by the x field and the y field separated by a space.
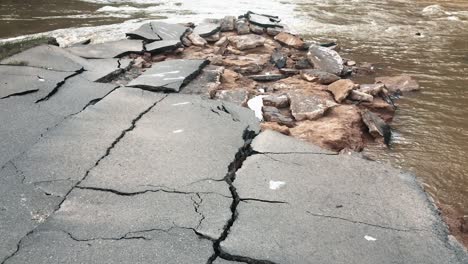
pixel 112 49
pixel 272 114
pixel 278 101
pixel 168 31
pixel 197 40
pixel 341 89
pixel 360 96
pixel 319 76
pixel 207 29
pixel 162 46
pixel 309 105
pixel 145 32
pixel 267 77
pixel 228 23
pixel 325 59
pixel 245 42
pixel 169 75
pixel 377 127
pixel 242 26
pixel 263 20
pixel 206 82
pixel 401 83
pixel 290 40
pixel 236 96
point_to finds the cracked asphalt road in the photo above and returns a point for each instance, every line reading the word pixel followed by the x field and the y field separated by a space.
pixel 91 173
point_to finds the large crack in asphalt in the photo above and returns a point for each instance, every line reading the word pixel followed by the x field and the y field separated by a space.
pixel 243 153
pixel 107 153
pixel 60 84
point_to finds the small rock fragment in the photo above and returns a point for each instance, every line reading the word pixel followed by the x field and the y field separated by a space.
pixel 319 76
pixel 360 96
pixel 341 89
pixel 221 41
pixel 228 23
pixel 256 29
pixel 272 114
pixel 289 71
pixel 303 63
pixel 273 31
pixel 372 89
pixel 377 127
pixel 325 59
pixel 290 40
pixel 278 59
pixel 249 41
pixel 197 40
pixel 213 38
pixel 278 101
pixel 267 77
pixel 242 26
pixel 402 83
pixel 351 63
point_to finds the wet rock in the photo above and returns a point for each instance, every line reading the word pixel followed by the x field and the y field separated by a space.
pixel 303 63
pixel 162 46
pixel 256 29
pixel 221 42
pixel 213 38
pixel 289 71
pixel 272 114
pixel 245 42
pixel 360 96
pixel 363 69
pixel 263 20
pixel 207 29
pixel 169 75
pixel 290 40
pixel 325 59
pixel 319 76
pixel 273 31
pixel 248 64
pixel 169 31
pixel 377 127
pixel 228 23
pixel 402 83
pixel 341 89
pixel 236 96
pixel 197 40
pixel 275 127
pixel 379 106
pixel 112 49
pixel 278 59
pixel 278 101
pixel 242 26
pixel 145 32
pixel 309 105
pixel 267 77
pixel 372 89
pixel 341 128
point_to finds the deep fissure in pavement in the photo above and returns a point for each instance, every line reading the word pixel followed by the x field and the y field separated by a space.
pixel 60 84
pixel 244 152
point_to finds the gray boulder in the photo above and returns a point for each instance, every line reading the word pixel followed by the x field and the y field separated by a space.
pixel 325 59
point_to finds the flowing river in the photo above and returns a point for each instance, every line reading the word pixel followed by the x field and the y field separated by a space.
pixel 427 39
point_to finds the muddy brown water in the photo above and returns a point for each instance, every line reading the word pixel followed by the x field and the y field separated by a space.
pixel 430 43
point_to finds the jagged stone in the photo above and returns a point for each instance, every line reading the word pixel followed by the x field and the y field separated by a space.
pixel 242 26
pixel 273 31
pixel 309 105
pixel 402 83
pixel 169 75
pixel 197 40
pixel 278 101
pixel 207 29
pixel 289 71
pixel 360 96
pixel 372 89
pixel 267 77
pixel 145 32
pixel 272 114
pixel 377 127
pixel 248 64
pixel 236 96
pixel 106 50
pixel 303 63
pixel 290 40
pixel 186 41
pixel 325 59
pixel 319 76
pixel 213 38
pixel 278 59
pixel 228 23
pixel 222 41
pixel 256 29
pixel 245 42
pixel 162 46
pixel 341 89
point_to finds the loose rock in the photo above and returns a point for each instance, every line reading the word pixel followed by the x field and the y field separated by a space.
pixel 377 127
pixel 228 23
pixel 197 40
pixel 256 29
pixel 402 83
pixel 303 63
pixel 372 89
pixel 245 42
pixel 289 71
pixel 273 31
pixel 267 77
pixel 242 26
pixel 290 40
pixel 213 38
pixel 341 89
pixel 309 105
pixel 278 101
pixel 236 96
pixel 278 59
pixel 360 96
pixel 319 76
pixel 325 59
pixel 221 41
pixel 272 114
